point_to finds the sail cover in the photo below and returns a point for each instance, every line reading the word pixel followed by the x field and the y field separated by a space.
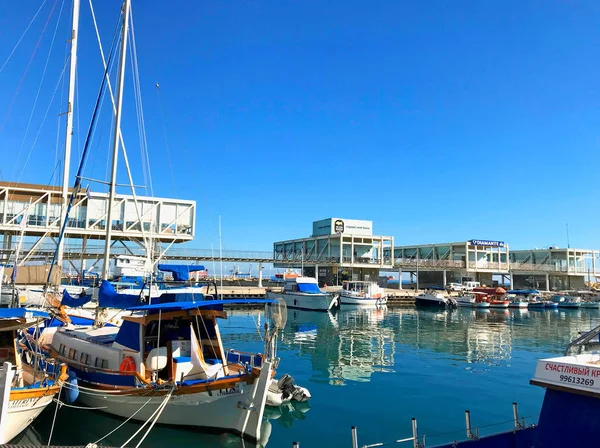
pixel 74 302
pixel 181 272
pixel 108 297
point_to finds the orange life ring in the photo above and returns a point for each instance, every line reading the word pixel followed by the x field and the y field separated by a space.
pixel 127 365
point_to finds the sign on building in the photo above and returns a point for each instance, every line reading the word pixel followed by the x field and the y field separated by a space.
pixel 486 243
pixel 332 226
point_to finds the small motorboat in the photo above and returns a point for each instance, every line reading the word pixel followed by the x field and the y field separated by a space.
pixel 499 303
pixel 362 293
pixel 431 298
pixel 569 302
pixel 466 300
pixel 550 304
pixel 536 304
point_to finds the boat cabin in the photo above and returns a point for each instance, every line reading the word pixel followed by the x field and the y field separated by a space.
pixel 306 285
pixel 162 342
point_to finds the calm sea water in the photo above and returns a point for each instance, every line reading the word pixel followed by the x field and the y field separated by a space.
pixel 375 369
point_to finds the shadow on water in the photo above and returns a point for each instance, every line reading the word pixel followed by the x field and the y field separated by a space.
pixel 80 427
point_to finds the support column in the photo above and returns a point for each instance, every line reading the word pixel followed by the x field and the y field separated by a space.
pixel 547 282
pixel 260 275
pixel 400 279
pixel 317 272
pixel 444 278
pixel 512 285
pixel 83 251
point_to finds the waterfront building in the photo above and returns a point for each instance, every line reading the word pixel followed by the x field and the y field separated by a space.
pixel 36 212
pixel 337 250
pixel 491 262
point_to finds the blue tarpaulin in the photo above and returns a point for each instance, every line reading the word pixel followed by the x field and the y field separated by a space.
pixel 181 272
pixel 524 292
pixel 73 302
pixel 108 297
pixel 20 313
pixel 129 335
pixel 310 288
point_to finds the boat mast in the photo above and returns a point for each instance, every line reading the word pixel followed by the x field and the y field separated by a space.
pixel 113 177
pixel 69 132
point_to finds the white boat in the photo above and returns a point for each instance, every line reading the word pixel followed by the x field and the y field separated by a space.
pixel 179 346
pixel 362 293
pixel 432 298
pixel 518 304
pixel 31 390
pixel 467 300
pixel 304 293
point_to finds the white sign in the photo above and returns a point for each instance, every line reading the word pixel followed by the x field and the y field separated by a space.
pixel 573 374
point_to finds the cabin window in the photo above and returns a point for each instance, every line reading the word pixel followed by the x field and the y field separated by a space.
pixel 98 362
pixel 72 353
pixel 104 364
pixel 84 359
pixel 62 349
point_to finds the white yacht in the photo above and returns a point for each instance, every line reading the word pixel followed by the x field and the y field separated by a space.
pixel 304 293
pixel 435 298
pixel 362 293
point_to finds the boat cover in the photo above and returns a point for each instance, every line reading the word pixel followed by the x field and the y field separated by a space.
pixel 310 288
pixel 215 304
pixel 108 297
pixel 181 272
pixel 19 313
pixel 523 292
pixel 74 302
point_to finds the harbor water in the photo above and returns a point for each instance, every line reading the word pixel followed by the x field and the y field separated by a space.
pixel 374 369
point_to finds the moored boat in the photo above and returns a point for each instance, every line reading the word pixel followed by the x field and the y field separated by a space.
pixel 167 363
pixel 466 300
pixel 304 293
pixel 31 389
pixel 432 298
pixel 362 293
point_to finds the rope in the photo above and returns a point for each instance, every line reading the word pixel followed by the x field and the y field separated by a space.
pixel 157 411
pixel 160 105
pixel 164 406
pixel 37 45
pixel 122 424
pixel 54 418
pixel 37 95
pixel 22 36
pixel 62 403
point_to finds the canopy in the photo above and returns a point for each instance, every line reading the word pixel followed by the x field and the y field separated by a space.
pixel 523 292
pixel 181 272
pixel 20 313
pixel 181 306
pixel 310 288
pixel 108 297
pixel 73 302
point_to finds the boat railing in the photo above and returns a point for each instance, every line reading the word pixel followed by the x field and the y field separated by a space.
pixel 471 433
pixel 583 340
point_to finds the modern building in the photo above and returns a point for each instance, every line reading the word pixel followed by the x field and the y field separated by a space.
pixel 338 249
pixel 491 262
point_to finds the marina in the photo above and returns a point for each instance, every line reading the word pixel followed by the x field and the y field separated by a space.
pixel 324 328
pixel 471 359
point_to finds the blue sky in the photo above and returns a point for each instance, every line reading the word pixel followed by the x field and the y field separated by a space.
pixel 440 121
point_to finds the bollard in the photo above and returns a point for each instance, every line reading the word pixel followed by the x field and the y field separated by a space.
pixel 415 433
pixel 516 416
pixel 296 445
pixel 468 423
pixel 354 437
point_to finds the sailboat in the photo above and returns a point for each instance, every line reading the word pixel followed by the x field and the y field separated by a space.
pixel 25 390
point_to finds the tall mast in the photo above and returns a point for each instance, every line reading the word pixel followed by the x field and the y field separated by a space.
pixel 115 154
pixel 69 133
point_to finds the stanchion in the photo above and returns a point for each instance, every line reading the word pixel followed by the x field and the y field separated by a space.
pixel 415 432
pixel 468 423
pixel 354 437
pixel 516 417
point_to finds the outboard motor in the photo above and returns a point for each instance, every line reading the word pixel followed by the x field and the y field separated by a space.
pixel 286 385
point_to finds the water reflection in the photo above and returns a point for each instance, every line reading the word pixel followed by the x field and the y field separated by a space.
pixel 354 343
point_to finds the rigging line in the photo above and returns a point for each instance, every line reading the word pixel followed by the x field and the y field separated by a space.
pixel 37 45
pixel 160 105
pixel 143 121
pixel 62 73
pixel 77 184
pixel 37 95
pixel 22 36
pixel 122 142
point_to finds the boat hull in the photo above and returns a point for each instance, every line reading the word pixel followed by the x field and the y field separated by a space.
pixel 315 302
pixel 22 411
pixel 537 305
pixel 237 410
pixel 346 300
pixel 482 305
pixel 426 302
pixel 499 304
pixel 517 305
pixel 591 305
pixel 569 305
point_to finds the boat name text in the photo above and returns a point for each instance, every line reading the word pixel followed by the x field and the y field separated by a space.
pixel 573 370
